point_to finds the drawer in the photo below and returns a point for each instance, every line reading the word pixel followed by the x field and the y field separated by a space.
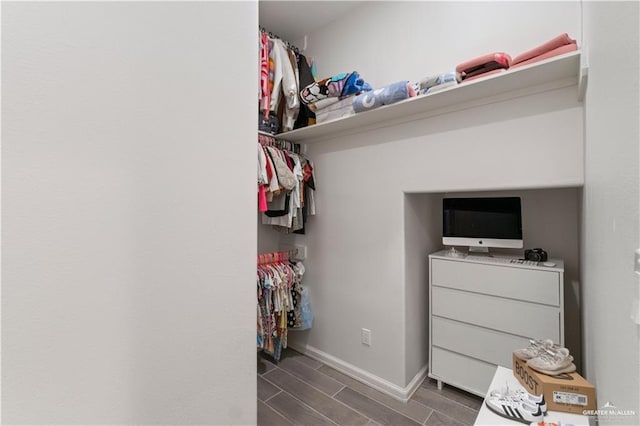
pixel 507 315
pixel 498 280
pixel 481 343
pixel 461 371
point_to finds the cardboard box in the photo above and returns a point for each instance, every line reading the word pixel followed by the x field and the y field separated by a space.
pixel 569 393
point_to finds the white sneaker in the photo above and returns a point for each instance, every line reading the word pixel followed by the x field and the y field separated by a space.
pixel 521 411
pixel 535 348
pixel 553 361
pixel 520 394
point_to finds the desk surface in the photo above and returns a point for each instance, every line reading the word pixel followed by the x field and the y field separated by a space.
pixel 504 377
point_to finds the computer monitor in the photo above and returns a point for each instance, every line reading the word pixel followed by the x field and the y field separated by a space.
pixel 480 223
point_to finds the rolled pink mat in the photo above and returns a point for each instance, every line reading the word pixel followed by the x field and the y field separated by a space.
pixel 483 75
pixel 555 52
pixel 554 43
pixel 503 60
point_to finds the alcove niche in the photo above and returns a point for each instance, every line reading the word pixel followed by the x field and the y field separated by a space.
pixel 551 219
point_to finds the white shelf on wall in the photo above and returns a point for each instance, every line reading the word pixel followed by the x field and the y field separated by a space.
pixel 550 74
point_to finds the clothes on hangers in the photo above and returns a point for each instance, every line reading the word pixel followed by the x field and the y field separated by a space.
pixel 279 304
pixel 285 185
pixel 306 117
pixel 279 101
pixel 265 92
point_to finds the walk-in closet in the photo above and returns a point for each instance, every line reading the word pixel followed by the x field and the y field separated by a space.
pixel 159 158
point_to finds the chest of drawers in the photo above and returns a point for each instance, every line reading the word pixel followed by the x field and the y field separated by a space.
pixel 482 310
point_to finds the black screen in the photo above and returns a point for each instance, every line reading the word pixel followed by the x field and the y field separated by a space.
pixel 498 218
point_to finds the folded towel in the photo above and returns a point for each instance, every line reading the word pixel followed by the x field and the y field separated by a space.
pixel 439 87
pixel 331 104
pixel 550 54
pixel 384 96
pixel 370 100
pixel 323 103
pixel 484 63
pixel 323 116
pixel 423 86
pixel 554 43
pixel 337 86
pixel 435 80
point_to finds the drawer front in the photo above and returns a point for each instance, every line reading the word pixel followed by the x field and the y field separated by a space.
pixel 516 283
pixel 460 371
pixel 510 316
pixel 481 343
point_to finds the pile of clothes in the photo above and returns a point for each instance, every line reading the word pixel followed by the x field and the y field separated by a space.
pixel 347 94
pixel 333 97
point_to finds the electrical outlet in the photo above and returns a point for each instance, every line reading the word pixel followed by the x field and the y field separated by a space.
pixel 366 337
pixel 301 252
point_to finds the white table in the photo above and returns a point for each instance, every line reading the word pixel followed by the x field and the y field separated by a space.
pixel 504 377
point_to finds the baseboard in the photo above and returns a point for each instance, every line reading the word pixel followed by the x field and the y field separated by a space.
pixel 401 393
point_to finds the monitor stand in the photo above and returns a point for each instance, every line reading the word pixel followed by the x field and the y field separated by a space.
pixel 480 251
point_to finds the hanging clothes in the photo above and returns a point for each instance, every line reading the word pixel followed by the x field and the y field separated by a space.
pixel 286 185
pixel 306 117
pixel 279 82
pixel 278 304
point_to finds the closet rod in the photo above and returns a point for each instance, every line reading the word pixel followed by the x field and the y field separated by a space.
pixel 270 140
pixel 289 45
pixel 276 256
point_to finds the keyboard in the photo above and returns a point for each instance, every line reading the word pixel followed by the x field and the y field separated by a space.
pixel 502 259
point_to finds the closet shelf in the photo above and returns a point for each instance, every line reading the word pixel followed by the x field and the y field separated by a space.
pixel 554 73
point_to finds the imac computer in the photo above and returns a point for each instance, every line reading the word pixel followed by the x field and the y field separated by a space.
pixel 481 223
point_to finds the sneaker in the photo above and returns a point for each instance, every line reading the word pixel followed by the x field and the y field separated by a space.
pixel 520 411
pixel 520 394
pixel 535 348
pixel 553 361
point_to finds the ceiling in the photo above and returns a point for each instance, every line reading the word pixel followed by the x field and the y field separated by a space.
pixel 292 20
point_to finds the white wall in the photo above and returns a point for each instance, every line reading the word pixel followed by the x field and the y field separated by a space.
pixel 422 235
pixel 388 41
pixel 611 204
pixel 269 240
pixel 356 263
pixel 127 259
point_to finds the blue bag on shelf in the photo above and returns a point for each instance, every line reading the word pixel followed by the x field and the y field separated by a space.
pixel 307 315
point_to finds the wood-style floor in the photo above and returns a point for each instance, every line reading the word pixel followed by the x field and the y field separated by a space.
pixel 299 390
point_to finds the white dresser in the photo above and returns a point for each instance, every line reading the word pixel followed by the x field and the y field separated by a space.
pixel 481 310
